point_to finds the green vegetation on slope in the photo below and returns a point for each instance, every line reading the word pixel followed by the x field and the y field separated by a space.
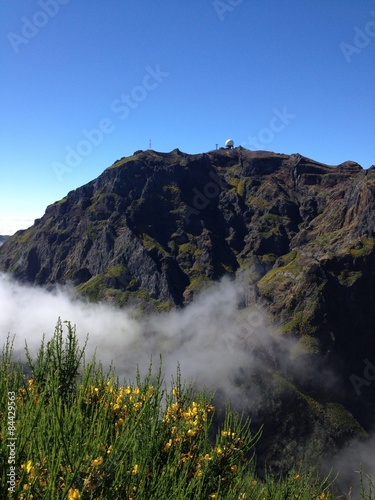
pixel 83 435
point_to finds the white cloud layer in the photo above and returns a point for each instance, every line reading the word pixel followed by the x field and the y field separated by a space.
pixel 212 339
pixel 11 226
pixel 205 339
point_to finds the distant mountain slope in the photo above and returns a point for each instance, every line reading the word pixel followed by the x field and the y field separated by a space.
pixel 155 228
pixel 2 239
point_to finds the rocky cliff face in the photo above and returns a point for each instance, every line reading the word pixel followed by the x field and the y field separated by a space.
pixel 2 239
pixel 155 228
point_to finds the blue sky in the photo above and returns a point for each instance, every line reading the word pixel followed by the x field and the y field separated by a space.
pixel 87 82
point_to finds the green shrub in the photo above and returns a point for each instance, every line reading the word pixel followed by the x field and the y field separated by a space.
pixel 81 434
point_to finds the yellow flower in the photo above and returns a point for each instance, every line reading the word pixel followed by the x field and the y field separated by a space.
pixel 185 457
pixel 109 450
pixel 150 391
pixel 323 496
pixel 174 407
pixel 128 390
pixel 73 494
pixel 213 495
pixel 194 410
pixel 29 468
pixel 233 468
pixel 97 461
pixel 191 433
pixel 219 450
pixel 135 470
pixel 297 477
pixel 168 445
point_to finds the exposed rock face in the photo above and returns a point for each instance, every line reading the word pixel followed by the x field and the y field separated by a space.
pixel 2 239
pixel 156 227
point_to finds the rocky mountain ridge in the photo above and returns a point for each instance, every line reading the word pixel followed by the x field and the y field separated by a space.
pixel 155 228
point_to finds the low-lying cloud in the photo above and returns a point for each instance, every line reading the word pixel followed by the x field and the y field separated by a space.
pixel 353 463
pixel 209 339
pixel 221 336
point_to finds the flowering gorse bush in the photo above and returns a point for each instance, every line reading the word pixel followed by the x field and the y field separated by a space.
pixel 81 434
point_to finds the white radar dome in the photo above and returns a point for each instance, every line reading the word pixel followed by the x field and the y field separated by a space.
pixel 229 143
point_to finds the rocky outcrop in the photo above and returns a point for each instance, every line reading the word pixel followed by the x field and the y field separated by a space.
pixel 155 228
pixel 2 239
pixel 158 226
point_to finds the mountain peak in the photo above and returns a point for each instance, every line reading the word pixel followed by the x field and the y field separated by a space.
pixel 227 205
pixel 155 228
